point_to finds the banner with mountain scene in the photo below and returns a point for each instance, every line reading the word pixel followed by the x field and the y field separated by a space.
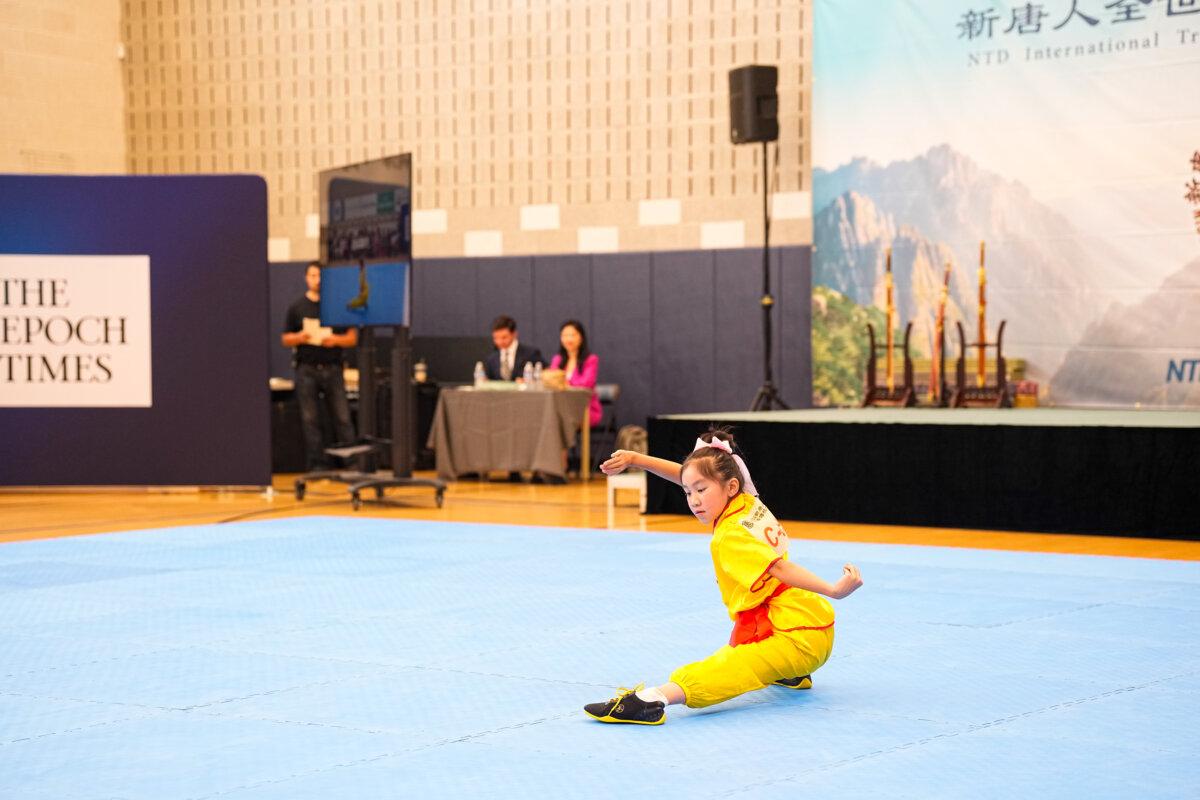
pixel 1064 134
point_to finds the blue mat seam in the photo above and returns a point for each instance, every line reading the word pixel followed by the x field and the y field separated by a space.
pixel 966 731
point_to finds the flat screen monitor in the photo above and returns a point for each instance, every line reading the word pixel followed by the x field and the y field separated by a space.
pixel 366 294
pixel 366 242
pixel 366 219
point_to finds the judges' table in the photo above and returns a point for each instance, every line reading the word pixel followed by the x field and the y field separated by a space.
pixel 480 431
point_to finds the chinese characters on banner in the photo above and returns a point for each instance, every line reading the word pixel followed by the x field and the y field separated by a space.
pixel 1030 18
pixel 1193 190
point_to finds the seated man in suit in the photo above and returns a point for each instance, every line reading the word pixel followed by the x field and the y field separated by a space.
pixel 508 362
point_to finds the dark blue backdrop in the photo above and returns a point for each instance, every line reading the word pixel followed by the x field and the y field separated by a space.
pixel 206 238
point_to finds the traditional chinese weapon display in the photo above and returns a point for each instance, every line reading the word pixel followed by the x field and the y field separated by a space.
pixel 938 395
pixel 981 367
pixel 981 394
pixel 889 394
pixel 891 321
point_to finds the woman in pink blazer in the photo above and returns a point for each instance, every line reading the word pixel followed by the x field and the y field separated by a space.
pixel 580 365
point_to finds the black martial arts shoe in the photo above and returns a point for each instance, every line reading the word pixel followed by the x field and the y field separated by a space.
pixel 629 708
pixel 803 682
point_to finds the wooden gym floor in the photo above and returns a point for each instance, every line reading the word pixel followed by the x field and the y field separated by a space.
pixel 40 513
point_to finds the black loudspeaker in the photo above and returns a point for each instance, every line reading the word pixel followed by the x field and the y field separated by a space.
pixel 753 104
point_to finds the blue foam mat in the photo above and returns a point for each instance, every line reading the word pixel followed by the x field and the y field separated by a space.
pixel 338 657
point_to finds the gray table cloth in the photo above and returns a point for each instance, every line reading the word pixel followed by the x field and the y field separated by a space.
pixel 481 431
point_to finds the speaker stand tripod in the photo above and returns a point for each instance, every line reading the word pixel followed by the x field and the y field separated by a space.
pixel 768 397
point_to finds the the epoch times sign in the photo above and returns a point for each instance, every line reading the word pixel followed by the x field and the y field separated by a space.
pixel 75 331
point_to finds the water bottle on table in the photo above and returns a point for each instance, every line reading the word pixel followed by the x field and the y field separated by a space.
pixel 480 375
pixel 537 375
pixel 527 375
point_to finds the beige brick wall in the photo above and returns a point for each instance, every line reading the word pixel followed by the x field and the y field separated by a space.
pixel 588 108
pixel 61 94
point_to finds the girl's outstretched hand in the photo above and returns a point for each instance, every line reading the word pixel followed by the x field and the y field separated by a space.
pixel 618 462
pixel 851 579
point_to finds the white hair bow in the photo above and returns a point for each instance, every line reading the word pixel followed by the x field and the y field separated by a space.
pixel 721 444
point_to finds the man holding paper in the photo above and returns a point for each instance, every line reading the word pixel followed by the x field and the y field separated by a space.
pixel 318 353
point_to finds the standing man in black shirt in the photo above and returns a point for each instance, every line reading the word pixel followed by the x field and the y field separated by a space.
pixel 318 360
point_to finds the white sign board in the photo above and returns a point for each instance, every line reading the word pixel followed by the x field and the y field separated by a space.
pixel 75 331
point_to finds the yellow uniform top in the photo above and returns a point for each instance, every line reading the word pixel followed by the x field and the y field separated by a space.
pixel 747 540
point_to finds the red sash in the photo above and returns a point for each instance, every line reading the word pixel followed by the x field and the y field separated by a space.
pixel 754 624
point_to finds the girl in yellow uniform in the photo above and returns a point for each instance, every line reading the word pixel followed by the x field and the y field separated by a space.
pixel 783 628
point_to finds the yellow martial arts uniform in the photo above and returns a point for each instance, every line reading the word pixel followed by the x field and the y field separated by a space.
pixel 779 631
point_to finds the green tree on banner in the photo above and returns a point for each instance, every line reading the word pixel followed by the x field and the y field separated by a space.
pixel 840 345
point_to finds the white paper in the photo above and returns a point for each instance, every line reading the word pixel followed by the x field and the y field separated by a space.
pixel 316 333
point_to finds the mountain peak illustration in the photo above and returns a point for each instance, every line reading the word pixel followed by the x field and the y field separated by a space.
pixel 1113 366
pixel 1046 279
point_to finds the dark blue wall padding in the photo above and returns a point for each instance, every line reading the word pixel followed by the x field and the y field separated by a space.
pixel 793 325
pixel 210 336
pixel 505 287
pixel 622 304
pixel 680 331
pixel 445 300
pixel 561 291
pixel 684 329
pixel 286 285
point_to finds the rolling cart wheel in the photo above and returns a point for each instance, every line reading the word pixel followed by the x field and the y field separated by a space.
pixel 355 501
pixel 439 498
pixel 378 492
pixel 300 490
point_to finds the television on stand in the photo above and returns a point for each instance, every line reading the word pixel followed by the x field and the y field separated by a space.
pixel 366 283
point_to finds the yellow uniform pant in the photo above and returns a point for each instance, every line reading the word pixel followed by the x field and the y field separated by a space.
pixel 732 671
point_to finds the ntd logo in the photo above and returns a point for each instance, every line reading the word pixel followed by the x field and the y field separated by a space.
pixel 1182 371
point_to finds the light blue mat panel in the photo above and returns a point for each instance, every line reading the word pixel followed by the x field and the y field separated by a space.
pixel 360 658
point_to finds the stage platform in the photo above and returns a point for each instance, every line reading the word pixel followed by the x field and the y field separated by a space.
pixel 1122 473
